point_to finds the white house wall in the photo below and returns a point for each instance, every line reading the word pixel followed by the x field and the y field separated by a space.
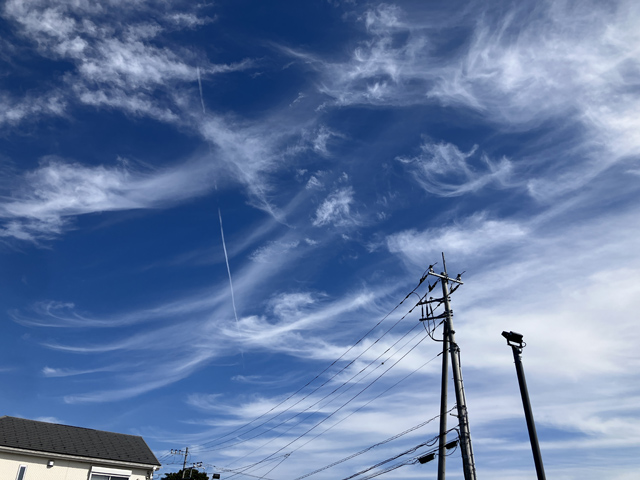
pixel 38 469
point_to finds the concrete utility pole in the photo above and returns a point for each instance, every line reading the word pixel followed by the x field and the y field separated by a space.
pixel 184 464
pixel 186 454
pixel 450 346
pixel 442 458
pixel 468 462
pixel 514 340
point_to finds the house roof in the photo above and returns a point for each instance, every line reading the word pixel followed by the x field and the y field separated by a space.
pixel 64 439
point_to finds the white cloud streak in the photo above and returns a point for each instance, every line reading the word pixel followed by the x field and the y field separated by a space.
pixel 554 63
pixel 168 327
pixel 442 169
pixel 120 64
pixel 471 237
pixel 336 209
pixel 46 198
pixel 226 259
pixel 13 110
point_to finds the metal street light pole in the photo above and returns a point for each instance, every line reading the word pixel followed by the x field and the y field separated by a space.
pixel 514 340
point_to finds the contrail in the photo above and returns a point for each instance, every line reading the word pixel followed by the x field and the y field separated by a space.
pixel 200 86
pixel 226 257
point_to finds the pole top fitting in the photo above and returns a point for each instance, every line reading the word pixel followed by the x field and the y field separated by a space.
pixel 514 339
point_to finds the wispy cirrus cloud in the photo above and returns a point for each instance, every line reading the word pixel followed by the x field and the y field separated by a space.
pixel 273 251
pixel 128 63
pixel 168 327
pixel 544 64
pixel 121 60
pixel 255 153
pixel 142 382
pixel 14 110
pixel 295 318
pixel 55 314
pixel 288 319
pixel 69 372
pixel 45 199
pixel 379 71
pixel 552 65
pixel 473 236
pixel 508 70
pixel 442 169
pixel 336 209
pixel 41 203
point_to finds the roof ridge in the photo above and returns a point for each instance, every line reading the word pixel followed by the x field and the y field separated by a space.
pixel 42 436
pixel 69 426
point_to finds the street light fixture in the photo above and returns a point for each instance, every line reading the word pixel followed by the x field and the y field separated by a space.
pixel 514 340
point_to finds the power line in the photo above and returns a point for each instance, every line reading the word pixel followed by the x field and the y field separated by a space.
pixel 270 458
pixel 429 323
pixel 240 473
pixel 247 467
pixel 368 386
pixel 390 439
pixel 345 404
pixel 220 447
pixel 243 470
pixel 326 396
pixel 322 372
pixel 429 443
pixel 370 401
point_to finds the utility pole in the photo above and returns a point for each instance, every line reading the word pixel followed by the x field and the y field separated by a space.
pixel 185 453
pixel 450 346
pixel 184 464
pixel 514 340
pixel 193 465
pixel 442 458
pixel 468 463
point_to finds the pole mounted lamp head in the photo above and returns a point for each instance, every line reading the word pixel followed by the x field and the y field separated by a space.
pixel 514 339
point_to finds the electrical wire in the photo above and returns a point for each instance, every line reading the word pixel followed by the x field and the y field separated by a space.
pixel 370 401
pixel 352 385
pixel 346 403
pixel 220 447
pixel 246 468
pixel 428 443
pixel 391 468
pixel 239 473
pixel 363 406
pixel 390 439
pixel 276 465
pixel 322 372
pixel 284 457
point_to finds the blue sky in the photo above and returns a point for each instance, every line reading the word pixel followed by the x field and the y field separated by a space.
pixel 341 146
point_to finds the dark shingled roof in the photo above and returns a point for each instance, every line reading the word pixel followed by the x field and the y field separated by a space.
pixel 83 442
